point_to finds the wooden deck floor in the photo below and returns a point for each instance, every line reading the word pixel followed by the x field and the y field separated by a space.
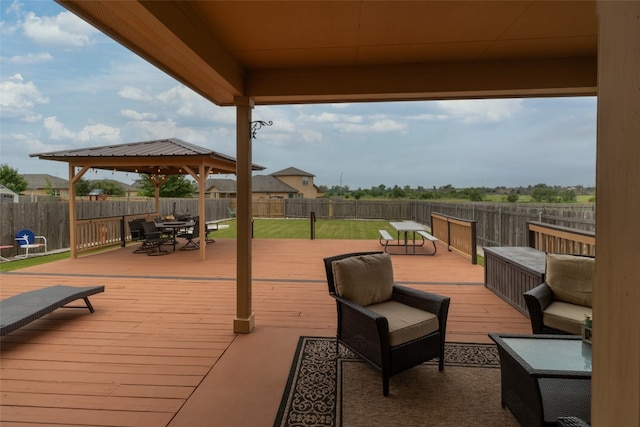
pixel 160 350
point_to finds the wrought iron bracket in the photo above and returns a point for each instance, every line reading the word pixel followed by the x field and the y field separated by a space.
pixel 257 125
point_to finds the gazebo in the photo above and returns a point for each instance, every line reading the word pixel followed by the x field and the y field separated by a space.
pixel 159 159
pixel 276 52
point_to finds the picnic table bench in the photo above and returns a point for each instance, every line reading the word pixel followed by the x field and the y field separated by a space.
pixel 385 238
pixel 24 308
pixel 432 239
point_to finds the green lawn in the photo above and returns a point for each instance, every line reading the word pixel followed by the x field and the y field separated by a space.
pixel 301 229
pixel 36 260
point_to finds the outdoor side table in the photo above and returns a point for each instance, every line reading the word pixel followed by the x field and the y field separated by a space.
pixel 545 377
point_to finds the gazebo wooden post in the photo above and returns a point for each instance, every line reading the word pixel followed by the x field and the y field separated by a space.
pixel 202 179
pixel 244 321
pixel 73 179
pixel 156 186
pixel 72 210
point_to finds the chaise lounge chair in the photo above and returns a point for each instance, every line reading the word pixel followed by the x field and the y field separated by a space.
pixel 21 309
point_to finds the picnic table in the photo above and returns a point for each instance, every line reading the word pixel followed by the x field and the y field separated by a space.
pixel 410 235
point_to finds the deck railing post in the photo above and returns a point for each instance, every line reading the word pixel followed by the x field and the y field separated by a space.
pixel 123 237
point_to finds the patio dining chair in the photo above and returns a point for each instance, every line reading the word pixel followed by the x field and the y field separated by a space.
pixel 392 327
pixel 27 240
pixel 191 234
pixel 153 239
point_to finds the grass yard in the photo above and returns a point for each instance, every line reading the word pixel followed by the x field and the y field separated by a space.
pixel 301 229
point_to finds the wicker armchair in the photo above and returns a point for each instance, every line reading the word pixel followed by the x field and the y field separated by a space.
pixel 370 326
pixel 561 303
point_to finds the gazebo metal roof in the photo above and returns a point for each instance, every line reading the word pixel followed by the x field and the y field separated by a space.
pixel 170 156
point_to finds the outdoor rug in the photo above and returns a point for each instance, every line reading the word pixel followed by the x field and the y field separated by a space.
pixel 325 390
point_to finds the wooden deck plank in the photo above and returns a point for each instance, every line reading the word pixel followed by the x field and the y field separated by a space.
pixel 162 332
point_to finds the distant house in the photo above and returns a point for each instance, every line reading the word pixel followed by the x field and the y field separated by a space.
pixel 270 187
pixel 285 184
pixel 220 188
pixel 41 184
pixel 7 195
pixel 300 180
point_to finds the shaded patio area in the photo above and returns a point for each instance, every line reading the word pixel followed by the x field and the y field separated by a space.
pixel 160 348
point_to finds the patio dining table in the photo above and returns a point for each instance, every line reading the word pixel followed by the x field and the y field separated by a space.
pixel 174 227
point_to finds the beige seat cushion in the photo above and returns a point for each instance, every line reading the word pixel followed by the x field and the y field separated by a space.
pixel 364 279
pixel 406 323
pixel 570 277
pixel 565 317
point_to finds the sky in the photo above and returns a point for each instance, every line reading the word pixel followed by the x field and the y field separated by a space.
pixel 65 85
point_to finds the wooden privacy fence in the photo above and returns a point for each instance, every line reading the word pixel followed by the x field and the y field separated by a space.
pixel 563 240
pixel 458 234
pixel 497 224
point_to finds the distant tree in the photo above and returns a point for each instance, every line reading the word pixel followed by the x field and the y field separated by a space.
pixel 568 196
pixel 397 192
pixel 512 197
pixel 110 187
pixel 174 186
pixel 474 195
pixel 544 193
pixel 83 187
pixel 48 188
pixel 10 178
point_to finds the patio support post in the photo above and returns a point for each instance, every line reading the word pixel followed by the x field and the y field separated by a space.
pixel 616 294
pixel 244 321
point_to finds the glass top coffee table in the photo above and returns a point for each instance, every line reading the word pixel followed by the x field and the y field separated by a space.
pixel 544 377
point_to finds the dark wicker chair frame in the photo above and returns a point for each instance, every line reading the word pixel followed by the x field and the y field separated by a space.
pixel 538 299
pixel 367 333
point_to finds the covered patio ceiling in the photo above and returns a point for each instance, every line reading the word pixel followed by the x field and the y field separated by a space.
pixel 340 51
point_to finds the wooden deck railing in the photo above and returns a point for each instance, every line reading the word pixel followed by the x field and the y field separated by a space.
pixel 458 234
pixel 97 233
pixel 557 239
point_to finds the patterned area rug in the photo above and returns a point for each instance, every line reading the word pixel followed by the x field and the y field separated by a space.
pixel 328 390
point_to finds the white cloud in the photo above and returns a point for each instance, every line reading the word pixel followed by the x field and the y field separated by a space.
pixel 322 118
pixel 481 110
pixel 19 99
pixel 149 130
pixel 64 29
pixel 134 94
pixel 30 58
pixel 134 115
pixel 185 102
pixel 56 129
pixel 99 134
pixel 388 125
pixel 96 134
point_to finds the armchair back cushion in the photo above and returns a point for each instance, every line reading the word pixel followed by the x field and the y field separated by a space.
pixel 570 277
pixel 364 279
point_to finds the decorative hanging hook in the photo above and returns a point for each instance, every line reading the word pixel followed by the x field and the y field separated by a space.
pixel 255 126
